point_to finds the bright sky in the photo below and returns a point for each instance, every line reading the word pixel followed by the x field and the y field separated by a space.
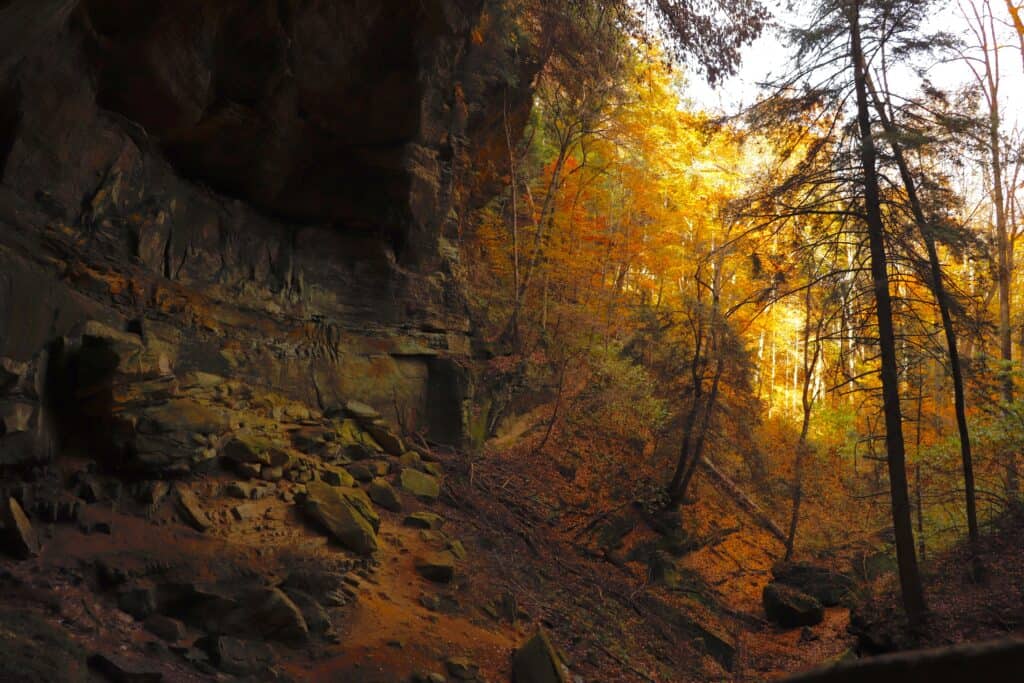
pixel 769 55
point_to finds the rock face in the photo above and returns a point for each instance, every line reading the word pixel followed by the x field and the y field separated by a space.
pixel 824 585
pixel 275 91
pixel 788 607
pixel 254 190
pixel 25 432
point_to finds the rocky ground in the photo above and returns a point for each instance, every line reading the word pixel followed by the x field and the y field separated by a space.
pixel 230 533
pixel 187 526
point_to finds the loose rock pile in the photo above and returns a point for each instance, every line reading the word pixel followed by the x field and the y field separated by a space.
pixel 173 446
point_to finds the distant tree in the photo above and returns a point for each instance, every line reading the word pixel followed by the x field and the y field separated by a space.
pixel 926 229
pixel 829 84
pixel 984 59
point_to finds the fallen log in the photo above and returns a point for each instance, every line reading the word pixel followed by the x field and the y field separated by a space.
pixel 743 500
pixel 994 660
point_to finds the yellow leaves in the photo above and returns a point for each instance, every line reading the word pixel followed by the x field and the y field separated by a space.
pixel 616 203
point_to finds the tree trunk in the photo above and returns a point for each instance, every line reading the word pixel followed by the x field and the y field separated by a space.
pixel 698 448
pixel 910 578
pixel 810 361
pixel 697 373
pixel 939 291
pixel 515 224
pixel 1018 25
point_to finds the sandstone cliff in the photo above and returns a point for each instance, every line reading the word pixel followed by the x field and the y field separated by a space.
pixel 259 188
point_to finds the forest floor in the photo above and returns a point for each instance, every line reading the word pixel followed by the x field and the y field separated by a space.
pixel 553 540
pixel 964 604
pixel 527 522
pixel 565 517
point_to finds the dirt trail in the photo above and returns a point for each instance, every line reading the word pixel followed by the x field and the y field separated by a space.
pixel 391 633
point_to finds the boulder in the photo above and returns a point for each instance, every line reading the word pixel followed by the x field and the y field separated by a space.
pixel 383 494
pixel 361 411
pixel 11 374
pixel 274 615
pixel 316 617
pixel 424 520
pixel 388 440
pixel 15 417
pixel 826 586
pixel 310 440
pixel 138 602
pixel 238 489
pixel 788 607
pixel 379 468
pixel 204 605
pixel 346 513
pixel 461 668
pixel 419 484
pixel 361 502
pixel 428 677
pixel 271 473
pixel 336 477
pixel 538 662
pixel 249 470
pixel 438 567
pixel 434 468
pixel 165 628
pixel 121 670
pixel 356 443
pixel 360 471
pixel 456 548
pixel 19 537
pixel 358 451
pixel 183 415
pixel 991 660
pixel 255 450
pixel 236 656
pixel 191 511
pixel 235 608
pixel 247 511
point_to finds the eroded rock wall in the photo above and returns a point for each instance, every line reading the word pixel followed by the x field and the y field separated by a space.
pixel 260 188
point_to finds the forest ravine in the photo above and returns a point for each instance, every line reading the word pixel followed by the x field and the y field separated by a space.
pixel 465 340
